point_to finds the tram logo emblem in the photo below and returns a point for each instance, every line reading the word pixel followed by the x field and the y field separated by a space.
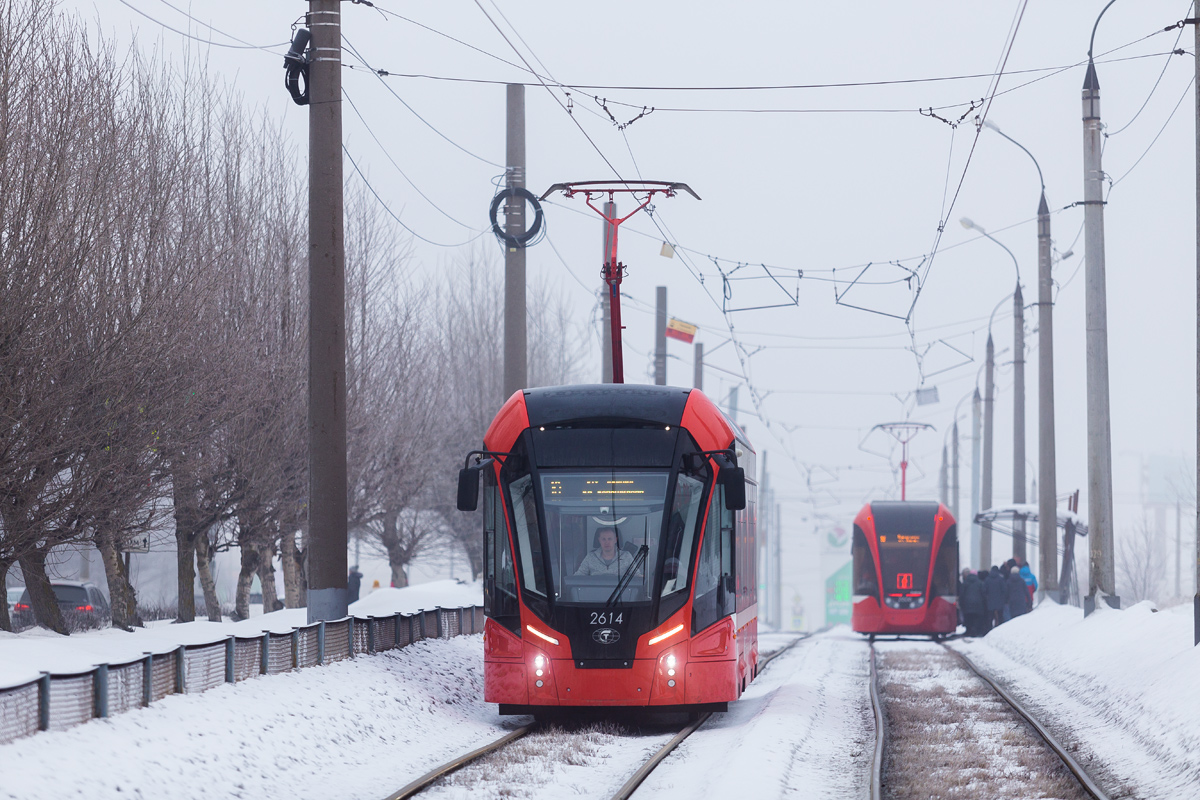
pixel 606 635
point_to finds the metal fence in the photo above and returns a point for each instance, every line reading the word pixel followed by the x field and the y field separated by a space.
pixel 55 702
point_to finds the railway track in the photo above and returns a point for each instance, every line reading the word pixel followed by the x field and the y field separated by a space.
pixel 1086 784
pixel 433 776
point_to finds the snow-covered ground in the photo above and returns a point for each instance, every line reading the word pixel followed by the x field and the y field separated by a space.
pixel 1122 687
pixel 802 729
pixel 24 656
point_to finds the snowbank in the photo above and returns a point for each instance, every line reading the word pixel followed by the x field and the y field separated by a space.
pixel 1121 684
pixel 354 729
pixel 24 656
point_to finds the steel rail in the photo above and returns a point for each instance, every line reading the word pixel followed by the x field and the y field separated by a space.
pixel 880 731
pixel 631 785
pixel 1089 785
pixel 457 763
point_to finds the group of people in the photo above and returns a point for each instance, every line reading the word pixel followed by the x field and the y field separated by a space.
pixel 988 598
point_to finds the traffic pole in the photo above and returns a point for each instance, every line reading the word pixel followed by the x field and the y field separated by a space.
pixel 327 542
pixel 516 376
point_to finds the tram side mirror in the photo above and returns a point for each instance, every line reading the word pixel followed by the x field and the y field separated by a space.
pixel 468 488
pixel 733 481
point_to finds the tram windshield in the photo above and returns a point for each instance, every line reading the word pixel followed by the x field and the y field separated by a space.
pixel 609 529
pixel 903 559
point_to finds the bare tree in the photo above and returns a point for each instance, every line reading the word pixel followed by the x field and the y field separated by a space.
pixel 1141 567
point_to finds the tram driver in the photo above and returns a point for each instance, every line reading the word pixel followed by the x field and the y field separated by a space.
pixel 608 558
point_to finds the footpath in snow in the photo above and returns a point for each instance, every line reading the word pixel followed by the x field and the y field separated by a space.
pixel 24 656
pixel 1123 687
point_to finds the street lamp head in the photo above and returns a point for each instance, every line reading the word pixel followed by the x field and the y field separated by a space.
pixel 969 225
pixel 987 123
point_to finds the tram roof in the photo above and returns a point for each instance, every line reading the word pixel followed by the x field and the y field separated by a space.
pixel 656 405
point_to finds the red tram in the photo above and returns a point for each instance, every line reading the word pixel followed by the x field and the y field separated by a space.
pixel 905 569
pixel 619 549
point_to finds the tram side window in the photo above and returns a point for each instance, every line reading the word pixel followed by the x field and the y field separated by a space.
pixel 714 568
pixel 866 580
pixel 528 536
pixel 945 569
pixel 500 584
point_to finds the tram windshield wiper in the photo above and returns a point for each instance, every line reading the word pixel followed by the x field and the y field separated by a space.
pixel 627 575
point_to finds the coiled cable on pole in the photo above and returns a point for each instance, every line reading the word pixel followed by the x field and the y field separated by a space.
pixel 295 65
pixel 521 239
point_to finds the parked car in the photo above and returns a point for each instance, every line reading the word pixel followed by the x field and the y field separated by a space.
pixel 14 594
pixel 83 606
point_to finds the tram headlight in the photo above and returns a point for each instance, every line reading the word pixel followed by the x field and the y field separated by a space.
pixel 539 664
pixel 671 667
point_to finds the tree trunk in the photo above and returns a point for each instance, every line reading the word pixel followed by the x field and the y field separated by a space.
pixel 41 594
pixel 185 563
pixel 5 620
pixel 204 566
pixel 241 600
pixel 398 555
pixel 266 576
pixel 121 595
pixel 185 560
pixel 289 556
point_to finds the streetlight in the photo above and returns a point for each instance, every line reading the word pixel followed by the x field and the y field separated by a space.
pixel 1047 467
pixel 1018 389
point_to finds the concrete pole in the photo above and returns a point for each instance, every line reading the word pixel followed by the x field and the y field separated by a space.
pixel 976 424
pixel 944 479
pixel 516 376
pixel 1102 574
pixel 698 367
pixel 327 540
pixel 954 471
pixel 1196 585
pixel 733 403
pixel 777 531
pixel 1178 548
pixel 1047 466
pixel 1018 418
pixel 985 500
pixel 660 336
pixel 606 367
pixel 763 535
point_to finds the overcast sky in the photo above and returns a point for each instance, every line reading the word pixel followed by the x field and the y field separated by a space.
pixel 813 181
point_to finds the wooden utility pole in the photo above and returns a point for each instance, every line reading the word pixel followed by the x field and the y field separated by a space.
pixel 516 375
pixel 327 598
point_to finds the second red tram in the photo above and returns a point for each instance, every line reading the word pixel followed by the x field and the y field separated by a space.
pixel 905 569
pixel 619 550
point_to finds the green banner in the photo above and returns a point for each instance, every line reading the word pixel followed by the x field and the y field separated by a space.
pixel 837 597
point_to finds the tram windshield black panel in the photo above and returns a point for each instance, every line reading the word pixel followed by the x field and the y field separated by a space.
pixel 905 538
pixel 598 521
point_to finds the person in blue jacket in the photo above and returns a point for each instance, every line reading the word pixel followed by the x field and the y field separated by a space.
pixel 1030 579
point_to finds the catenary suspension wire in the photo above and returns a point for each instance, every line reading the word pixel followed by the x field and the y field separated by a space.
pixel 414 112
pixel 393 215
pixel 243 46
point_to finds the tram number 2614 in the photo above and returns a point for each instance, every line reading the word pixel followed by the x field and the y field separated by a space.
pixel 607 618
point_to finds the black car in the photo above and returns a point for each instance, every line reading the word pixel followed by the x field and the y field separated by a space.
pixel 83 606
